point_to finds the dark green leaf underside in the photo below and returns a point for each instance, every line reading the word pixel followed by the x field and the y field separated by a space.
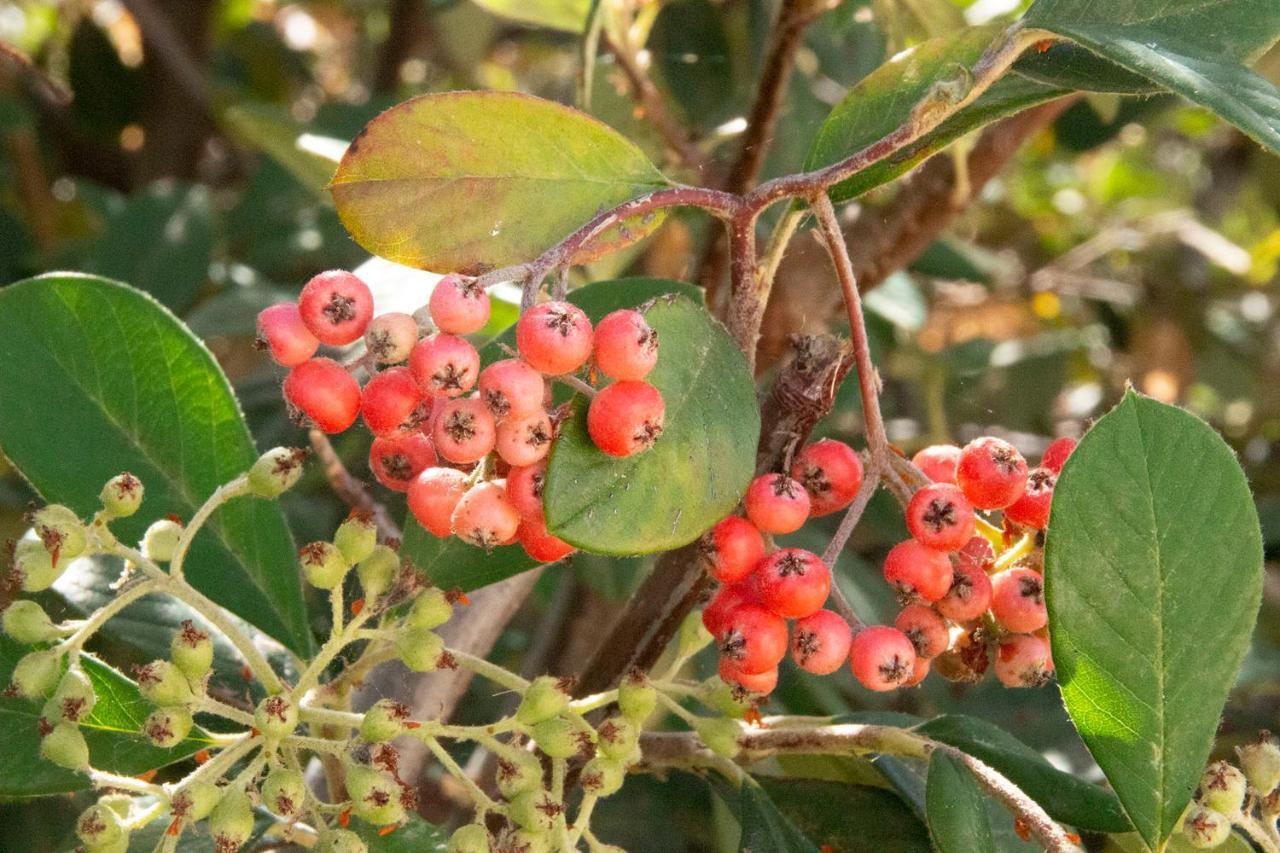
pixel 957 811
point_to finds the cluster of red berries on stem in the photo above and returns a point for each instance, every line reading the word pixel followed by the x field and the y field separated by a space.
pixel 469 446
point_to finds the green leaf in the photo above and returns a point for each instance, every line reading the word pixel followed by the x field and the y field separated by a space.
pixel 1154 577
pixel 567 15
pixel 113 731
pixel 848 818
pixel 473 180
pixel 696 472
pixel 271 130
pixel 765 829
pixel 98 379
pixel 415 835
pixel 957 810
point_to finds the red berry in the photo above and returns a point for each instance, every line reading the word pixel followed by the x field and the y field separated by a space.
pixel 433 495
pixel 991 472
pixel 626 417
pixel 882 658
pixel 1032 509
pixel 280 329
pixel 463 430
pixel 445 365
pixel 977 553
pixel 484 517
pixel 392 402
pixel 396 460
pixel 336 306
pixel 524 489
pixel 732 549
pixel 554 337
pixel 777 504
pixel 1017 600
pixel 940 516
pixel 938 462
pixel 1023 660
pixel 794 582
pixel 918 672
pixel 820 642
pixel 753 639
pixel 459 305
pixel 726 600
pixel 626 346
pixel 525 439
pixel 926 630
pixel 969 595
pixel 324 393
pixel 1055 455
pixel 511 387
pixel 831 473
pixel 539 544
pixel 391 336
pixel 917 571
pixel 760 683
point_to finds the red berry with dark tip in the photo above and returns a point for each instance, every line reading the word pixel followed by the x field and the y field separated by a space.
pixel 396 460
pixel 626 417
pixel 1023 660
pixel 753 639
pixel 512 387
pixel 726 600
pixel 941 517
pixel 938 462
pixel 524 439
pixel 322 392
pixel 831 473
pixel 281 330
pixel 969 595
pixel 917 571
pixel 626 346
pixel 390 337
pixel 463 430
pixel 732 549
pixel 445 365
pixel 882 658
pixel 794 582
pixel 820 642
pixel 484 517
pixel 777 504
pixel 433 496
pixel 991 472
pixel 926 630
pixel 392 402
pixel 336 306
pixel 1017 600
pixel 539 544
pixel 760 683
pixel 1055 455
pixel 459 305
pixel 524 489
pixel 1032 509
pixel 918 672
pixel 554 337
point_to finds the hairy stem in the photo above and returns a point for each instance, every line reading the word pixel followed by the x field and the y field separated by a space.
pixel 234 489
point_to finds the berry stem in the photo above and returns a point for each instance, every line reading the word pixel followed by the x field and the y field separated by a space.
pixel 491 671
pixel 582 820
pixel 86 629
pixel 329 717
pixel 212 706
pixel 221 620
pixel 338 640
pixel 1262 833
pixel 233 489
pixel 103 779
pixel 483 802
pixel 1016 552
pixel 577 384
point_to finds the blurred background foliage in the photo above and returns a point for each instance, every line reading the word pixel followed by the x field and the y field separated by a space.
pixel 1133 240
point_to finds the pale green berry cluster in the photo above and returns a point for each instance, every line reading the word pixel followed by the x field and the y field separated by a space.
pixel 1228 794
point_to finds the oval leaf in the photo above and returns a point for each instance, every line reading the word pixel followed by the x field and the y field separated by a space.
pixel 474 180
pixel 567 15
pixel 957 810
pixel 98 379
pixel 847 818
pixel 1151 515
pixel 765 829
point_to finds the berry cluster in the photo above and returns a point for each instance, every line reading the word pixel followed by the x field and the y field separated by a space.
pixel 1228 794
pixel 469 446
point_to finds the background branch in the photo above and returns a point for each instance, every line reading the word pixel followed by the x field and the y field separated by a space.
pixel 348 488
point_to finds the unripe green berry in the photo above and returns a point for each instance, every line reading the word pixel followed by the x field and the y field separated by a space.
pixel 276 471
pixel 195 800
pixel 1205 828
pixel 379 802
pixel 527 841
pixel 618 738
pixel 122 495
pixel 231 821
pixel 563 737
pixel 356 537
pixel 430 609
pixel 603 776
pixel 275 716
pixel 121 804
pixel 191 651
pixel 323 565
pixel 27 623
pixel 160 542
pixel 35 565
pixel 36 674
pixel 377 572
pixel 472 838
pixel 342 841
pixel 60 530
pixel 720 735
pixel 99 826
pixel 65 746
pixel 730 702
pixel 360 779
pixel 636 697
pixel 518 772
pixel 535 811
pixel 73 700
pixel 543 699
pixel 1222 788
pixel 161 683
pixel 384 720
pixel 1260 762
pixel 168 727
pixel 419 650
pixel 284 793
pixel 693 635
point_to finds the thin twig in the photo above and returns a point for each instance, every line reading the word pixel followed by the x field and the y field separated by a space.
pixel 654 106
pixel 851 516
pixel 348 488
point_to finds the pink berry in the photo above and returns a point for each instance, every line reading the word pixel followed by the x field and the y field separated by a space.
pixel 445 365
pixel 794 582
pixel 917 571
pixel 554 337
pixel 1023 660
pixel 539 544
pixel 969 595
pixel 626 346
pixel 397 460
pixel 732 549
pixel 1032 509
pixel 777 504
pixel 820 642
pixel 726 600
pixel 336 306
pixel 1055 455
pixel 831 473
pixel 511 387
pixel 977 553
pixel 525 439
pixel 484 517
pixel 1017 600
pixel 882 658
pixel 926 630
pixel 918 672
pixel 391 336
pixel 281 330
pixel 991 472
pixel 760 683
pixel 524 489
pixel 324 393
pixel 433 496
pixel 392 402
pixel 940 516
pixel 463 430
pixel 753 639
pixel 459 305
pixel 938 462
pixel 626 417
